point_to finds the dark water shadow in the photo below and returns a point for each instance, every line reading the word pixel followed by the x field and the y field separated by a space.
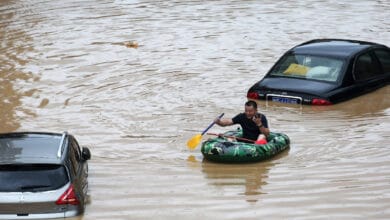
pixel 15 44
pixel 375 102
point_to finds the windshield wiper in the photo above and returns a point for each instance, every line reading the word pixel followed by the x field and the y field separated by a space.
pixel 33 188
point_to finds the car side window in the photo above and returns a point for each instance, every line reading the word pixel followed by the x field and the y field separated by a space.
pixel 74 156
pixel 384 59
pixel 76 149
pixel 366 67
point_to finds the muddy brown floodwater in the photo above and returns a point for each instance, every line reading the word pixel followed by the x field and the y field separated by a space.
pixel 134 80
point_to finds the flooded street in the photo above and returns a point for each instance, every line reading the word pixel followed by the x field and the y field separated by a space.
pixel 134 80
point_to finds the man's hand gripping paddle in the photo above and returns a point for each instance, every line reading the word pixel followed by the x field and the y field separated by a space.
pixel 195 140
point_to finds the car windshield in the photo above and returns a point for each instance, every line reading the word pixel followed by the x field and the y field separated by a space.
pixel 32 177
pixel 18 146
pixel 308 67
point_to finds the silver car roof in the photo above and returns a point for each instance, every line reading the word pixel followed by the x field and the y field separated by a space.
pixel 31 148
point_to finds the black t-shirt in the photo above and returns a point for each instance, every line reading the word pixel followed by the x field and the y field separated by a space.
pixel 249 128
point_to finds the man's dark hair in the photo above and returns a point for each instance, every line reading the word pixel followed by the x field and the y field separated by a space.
pixel 251 103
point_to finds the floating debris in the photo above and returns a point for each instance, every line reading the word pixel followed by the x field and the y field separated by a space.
pixel 44 102
pixel 131 44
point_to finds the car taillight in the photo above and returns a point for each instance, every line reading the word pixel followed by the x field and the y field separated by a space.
pixel 252 95
pixel 68 197
pixel 320 102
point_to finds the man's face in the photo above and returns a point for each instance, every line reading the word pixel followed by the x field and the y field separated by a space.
pixel 250 111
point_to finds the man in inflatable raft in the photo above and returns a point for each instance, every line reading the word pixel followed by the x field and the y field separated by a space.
pixel 254 125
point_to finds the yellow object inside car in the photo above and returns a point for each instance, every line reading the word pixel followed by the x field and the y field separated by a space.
pixel 296 69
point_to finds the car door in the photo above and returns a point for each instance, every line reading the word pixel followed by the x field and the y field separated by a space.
pixel 80 167
pixel 365 75
pixel 367 72
pixel 383 56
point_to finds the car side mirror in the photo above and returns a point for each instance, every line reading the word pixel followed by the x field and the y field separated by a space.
pixel 85 153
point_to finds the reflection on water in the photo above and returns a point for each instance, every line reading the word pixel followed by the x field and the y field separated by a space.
pixel 229 177
pixel 374 103
pixel 248 179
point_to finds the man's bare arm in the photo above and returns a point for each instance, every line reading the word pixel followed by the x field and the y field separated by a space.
pixel 224 122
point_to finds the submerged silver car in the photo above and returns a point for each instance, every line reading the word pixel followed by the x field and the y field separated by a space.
pixel 42 175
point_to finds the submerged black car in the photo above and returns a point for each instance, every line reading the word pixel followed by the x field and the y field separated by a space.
pixel 324 72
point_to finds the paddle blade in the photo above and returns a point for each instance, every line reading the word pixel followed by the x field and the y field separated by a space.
pixel 194 141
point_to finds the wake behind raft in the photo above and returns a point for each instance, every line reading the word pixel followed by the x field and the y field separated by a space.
pixel 220 149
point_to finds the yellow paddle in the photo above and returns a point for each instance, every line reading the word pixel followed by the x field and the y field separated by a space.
pixel 195 140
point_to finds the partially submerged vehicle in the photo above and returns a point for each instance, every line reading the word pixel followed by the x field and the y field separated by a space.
pixel 324 72
pixel 42 175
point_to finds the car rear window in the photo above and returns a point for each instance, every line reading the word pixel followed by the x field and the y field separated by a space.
pixel 308 67
pixel 19 146
pixel 32 177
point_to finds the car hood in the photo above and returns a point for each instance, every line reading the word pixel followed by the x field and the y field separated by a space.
pixel 296 86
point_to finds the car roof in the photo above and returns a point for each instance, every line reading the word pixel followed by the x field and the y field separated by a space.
pixel 31 147
pixel 333 47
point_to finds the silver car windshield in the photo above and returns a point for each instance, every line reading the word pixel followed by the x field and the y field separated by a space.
pixel 32 177
pixel 308 67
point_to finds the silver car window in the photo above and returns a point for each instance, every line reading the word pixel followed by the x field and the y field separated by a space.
pixel 32 177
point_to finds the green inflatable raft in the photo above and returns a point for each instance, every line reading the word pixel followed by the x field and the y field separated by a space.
pixel 219 149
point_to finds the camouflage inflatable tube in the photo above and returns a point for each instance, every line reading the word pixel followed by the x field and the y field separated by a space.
pixel 220 149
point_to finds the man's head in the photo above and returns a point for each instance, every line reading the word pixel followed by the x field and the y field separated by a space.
pixel 250 109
